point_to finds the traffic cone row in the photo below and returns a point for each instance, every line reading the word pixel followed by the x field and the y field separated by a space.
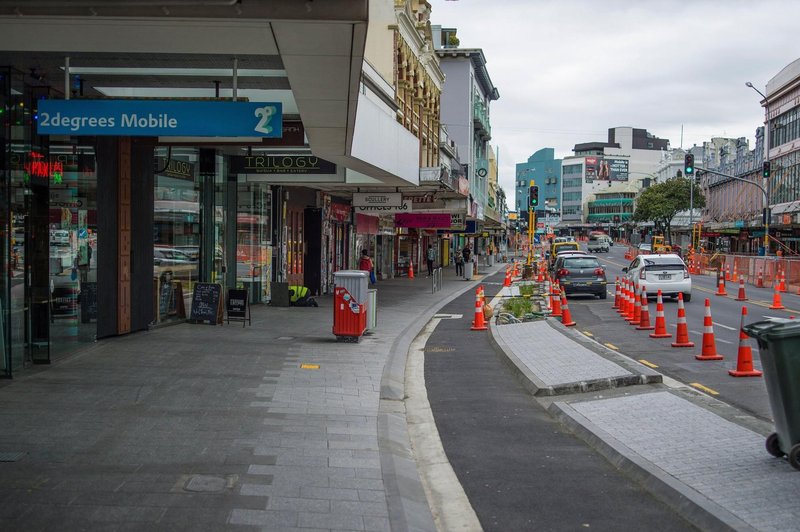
pixel 478 324
pixel 566 317
pixel 709 350
pixel 682 334
pixel 661 322
pixel 744 357
pixel 644 322
pixel 741 296
pixel 721 286
pixel 776 300
pixel 637 307
pixel 616 294
pixel 555 298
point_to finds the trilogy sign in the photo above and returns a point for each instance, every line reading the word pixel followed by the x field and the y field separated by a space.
pixel 164 118
pixel 280 164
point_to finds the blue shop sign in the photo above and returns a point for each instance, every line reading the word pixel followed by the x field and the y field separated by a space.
pixel 160 118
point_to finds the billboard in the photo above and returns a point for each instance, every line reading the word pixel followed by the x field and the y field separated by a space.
pixel 606 169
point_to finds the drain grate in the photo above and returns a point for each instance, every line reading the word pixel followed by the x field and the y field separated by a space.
pixel 10 457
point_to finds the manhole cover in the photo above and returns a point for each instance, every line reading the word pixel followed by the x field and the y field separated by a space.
pixel 205 483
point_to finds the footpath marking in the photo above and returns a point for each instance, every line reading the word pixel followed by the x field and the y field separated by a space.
pixel 703 388
pixel 439 349
pixel 612 346
pixel 648 364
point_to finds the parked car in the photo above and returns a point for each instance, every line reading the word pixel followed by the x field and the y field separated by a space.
pixel 566 253
pixel 597 244
pixel 666 272
pixel 581 274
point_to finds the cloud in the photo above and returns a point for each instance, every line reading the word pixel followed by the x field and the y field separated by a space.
pixel 567 70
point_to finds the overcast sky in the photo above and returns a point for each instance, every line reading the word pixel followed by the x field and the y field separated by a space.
pixel 567 70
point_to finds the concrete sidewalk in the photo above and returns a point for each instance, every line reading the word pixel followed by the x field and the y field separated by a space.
pixel 191 427
pixel 703 457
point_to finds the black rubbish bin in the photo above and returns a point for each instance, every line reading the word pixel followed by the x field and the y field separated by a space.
pixel 779 348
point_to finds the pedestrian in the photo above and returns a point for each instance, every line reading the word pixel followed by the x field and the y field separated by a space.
pixel 365 264
pixel 459 260
pixel 430 256
pixel 466 253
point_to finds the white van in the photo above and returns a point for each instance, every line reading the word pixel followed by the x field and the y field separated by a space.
pixel 598 243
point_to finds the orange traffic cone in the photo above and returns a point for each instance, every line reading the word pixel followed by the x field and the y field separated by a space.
pixel 478 324
pixel 744 362
pixel 644 323
pixel 741 296
pixel 556 301
pixel 410 269
pixel 735 276
pixel 661 322
pixel 483 295
pixel 627 307
pixel 727 273
pixel 539 274
pixel 776 300
pixel 709 351
pixel 637 307
pixel 507 280
pixel 516 269
pixel 721 287
pixel 682 335
pixel 616 294
pixel 760 279
pixel 549 298
pixel 782 285
pixel 566 317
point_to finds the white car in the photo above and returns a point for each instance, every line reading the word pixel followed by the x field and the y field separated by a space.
pixel 666 272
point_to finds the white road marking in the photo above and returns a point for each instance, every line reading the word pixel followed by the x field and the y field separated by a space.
pixel 725 326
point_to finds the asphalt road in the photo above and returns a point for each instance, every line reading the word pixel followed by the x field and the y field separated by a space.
pixel 598 319
pixel 520 469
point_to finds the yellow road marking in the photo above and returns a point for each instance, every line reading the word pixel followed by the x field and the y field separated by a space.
pixel 309 366
pixel 587 333
pixel 704 388
pixel 612 346
pixel 648 364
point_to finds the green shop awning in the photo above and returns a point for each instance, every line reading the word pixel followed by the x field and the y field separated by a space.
pixel 608 216
pixel 612 201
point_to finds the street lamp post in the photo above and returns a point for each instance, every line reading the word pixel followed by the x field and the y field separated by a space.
pixel 768 188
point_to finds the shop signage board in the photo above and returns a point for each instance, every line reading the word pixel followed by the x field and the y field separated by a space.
pixel 420 221
pixel 405 207
pixel 237 306
pixel 206 304
pixel 280 164
pixel 377 199
pixel 458 221
pixel 165 118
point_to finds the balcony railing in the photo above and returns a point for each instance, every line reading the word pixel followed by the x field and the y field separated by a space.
pixel 480 119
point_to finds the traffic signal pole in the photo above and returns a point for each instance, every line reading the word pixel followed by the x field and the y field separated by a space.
pixel 533 201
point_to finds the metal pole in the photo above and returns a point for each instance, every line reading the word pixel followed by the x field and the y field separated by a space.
pixel 235 77
pixel 691 209
pixel 66 78
pixel 767 195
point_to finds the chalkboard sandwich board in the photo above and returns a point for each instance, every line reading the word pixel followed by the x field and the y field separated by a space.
pixel 238 306
pixel 206 304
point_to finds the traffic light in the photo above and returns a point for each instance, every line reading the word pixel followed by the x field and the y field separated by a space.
pixel 765 169
pixel 533 196
pixel 688 165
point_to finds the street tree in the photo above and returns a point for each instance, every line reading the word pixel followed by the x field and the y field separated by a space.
pixel 661 202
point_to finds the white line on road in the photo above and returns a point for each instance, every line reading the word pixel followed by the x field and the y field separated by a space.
pixel 724 326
